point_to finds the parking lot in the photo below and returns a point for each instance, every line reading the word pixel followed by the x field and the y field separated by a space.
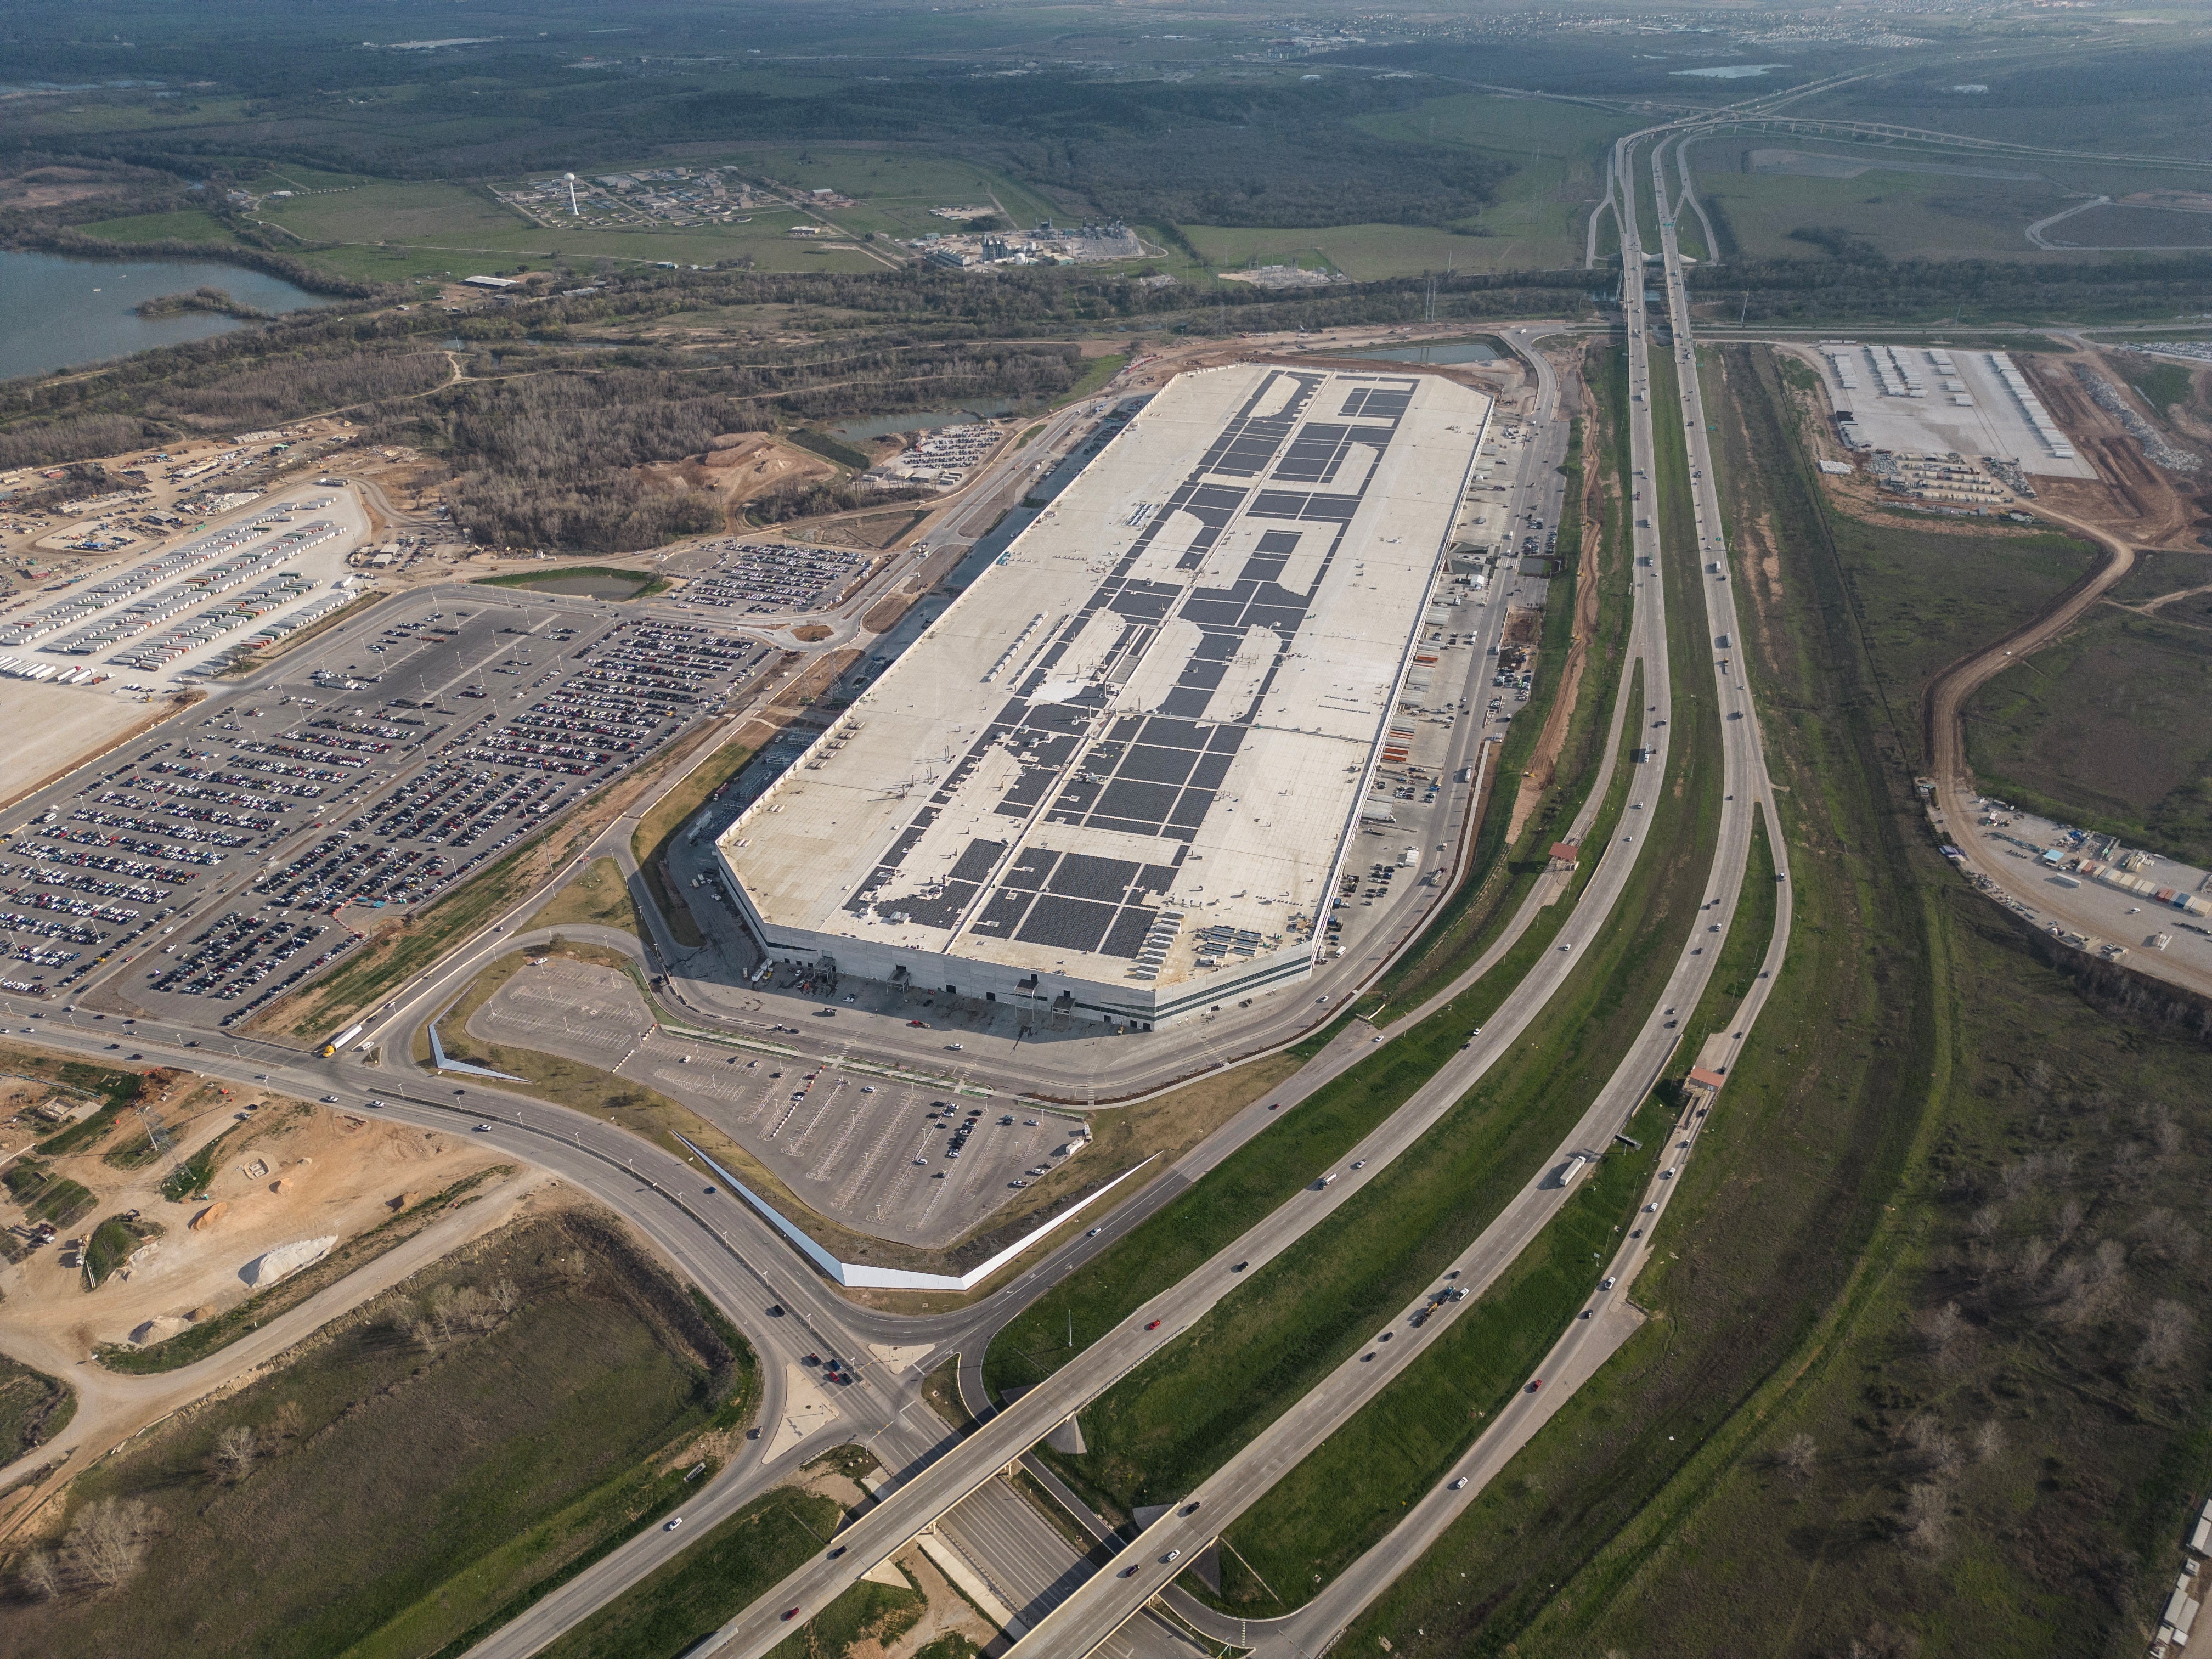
pixel 387 764
pixel 182 611
pixel 746 578
pixel 922 1165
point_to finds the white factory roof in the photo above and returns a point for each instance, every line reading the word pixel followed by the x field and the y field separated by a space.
pixel 1154 717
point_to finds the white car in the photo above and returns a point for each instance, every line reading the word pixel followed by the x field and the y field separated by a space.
pixel 1460 1485
pixel 955 1047
pixel 1608 1283
pixel 673 1523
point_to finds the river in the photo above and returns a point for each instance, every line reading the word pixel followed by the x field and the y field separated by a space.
pixel 57 311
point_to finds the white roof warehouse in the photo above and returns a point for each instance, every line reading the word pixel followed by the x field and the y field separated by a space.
pixel 1117 775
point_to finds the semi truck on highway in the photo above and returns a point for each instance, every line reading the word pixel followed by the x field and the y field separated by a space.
pixel 342 1039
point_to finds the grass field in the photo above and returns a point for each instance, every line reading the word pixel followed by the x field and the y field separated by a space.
pixel 1925 597
pixel 656 831
pixel 189 226
pixel 598 897
pixel 33 1409
pixel 1558 153
pixel 467 1438
pixel 736 1561
pixel 1350 1491
pixel 2111 728
pixel 390 229
pixel 897 188
pixel 1903 213
pixel 1367 252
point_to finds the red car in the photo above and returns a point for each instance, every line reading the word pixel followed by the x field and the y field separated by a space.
pixel 1537 1384
pixel 1154 1326
pixel 790 1614
pixel 922 1023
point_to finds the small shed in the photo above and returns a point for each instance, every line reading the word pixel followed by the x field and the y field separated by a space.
pixel 1564 855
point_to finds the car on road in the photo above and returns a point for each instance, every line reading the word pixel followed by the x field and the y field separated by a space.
pixel 1153 1326
pixel 1533 1385
pixel 1460 1485
pixel 1240 1267
pixel 1358 1163
pixel 1094 1232
pixel 482 1128
pixel 672 1522
pixel 1666 1175
pixel 330 1100
pixel 377 1105
pixel 1650 1207
pixel 955 1048
pixel 789 1613
pixel 923 1024
pixel 1609 1282
pixel 1171 1556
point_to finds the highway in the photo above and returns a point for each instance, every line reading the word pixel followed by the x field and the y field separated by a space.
pixel 745 1267
pixel 1150 1565
pixel 1021 1424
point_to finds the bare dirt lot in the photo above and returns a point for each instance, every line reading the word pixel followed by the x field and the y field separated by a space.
pixel 2140 502
pixel 52 728
pixel 295 1172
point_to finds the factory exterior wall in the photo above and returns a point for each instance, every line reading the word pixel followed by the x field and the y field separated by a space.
pixel 1143 1006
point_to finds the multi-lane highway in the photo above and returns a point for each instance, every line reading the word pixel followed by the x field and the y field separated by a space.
pixel 747 1269
pixel 1152 1562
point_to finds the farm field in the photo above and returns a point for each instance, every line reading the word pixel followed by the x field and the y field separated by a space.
pixel 1926 597
pixel 413 222
pixel 1903 214
pixel 2111 728
pixel 405 1473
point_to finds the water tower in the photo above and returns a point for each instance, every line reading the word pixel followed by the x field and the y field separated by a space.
pixel 570 179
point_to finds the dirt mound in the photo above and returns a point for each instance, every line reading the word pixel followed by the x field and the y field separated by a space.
pixel 208 1218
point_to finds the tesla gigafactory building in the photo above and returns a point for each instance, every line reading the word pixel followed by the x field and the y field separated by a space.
pixel 1117 777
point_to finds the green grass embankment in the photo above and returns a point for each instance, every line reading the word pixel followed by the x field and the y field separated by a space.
pixel 1354 1486
pixel 738 1561
pixel 656 832
pixel 1760 1249
pixel 644 583
pixel 1500 877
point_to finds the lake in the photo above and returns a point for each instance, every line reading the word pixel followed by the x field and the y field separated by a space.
pixel 55 313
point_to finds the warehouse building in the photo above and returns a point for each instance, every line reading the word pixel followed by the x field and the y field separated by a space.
pixel 1117 777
